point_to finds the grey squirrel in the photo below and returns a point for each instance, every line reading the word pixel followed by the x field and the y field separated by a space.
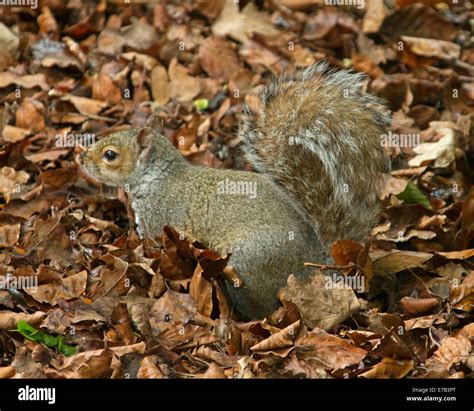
pixel 314 140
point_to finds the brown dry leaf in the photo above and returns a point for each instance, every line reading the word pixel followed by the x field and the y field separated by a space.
pixel 110 41
pixel 12 134
pixel 149 368
pixel 9 319
pixel 172 307
pixel 418 305
pixel 410 233
pixel 442 151
pixel 329 351
pixel 92 364
pixel 9 41
pixel 88 364
pixel 140 35
pixel 29 116
pixel 185 336
pixel 121 322
pixel 433 48
pixel 220 358
pixel 218 58
pixel 138 308
pixel 394 186
pixel 434 221
pixel 50 241
pixel 240 25
pixel 399 260
pixel 28 81
pixel 452 271
pixel 183 87
pixel 424 322
pixel 418 20
pixel 201 290
pixel 113 278
pixel 160 85
pixel 48 155
pixel 11 182
pixel 7 372
pixel 321 302
pixel 452 350
pixel 84 105
pixel 24 365
pixel 282 339
pixel 104 89
pixel 458 255
pixel 66 289
pixel 51 53
pixel 214 371
pixel 9 234
pixel 468 330
pixel 345 252
pixel 374 16
pixel 143 60
pixel 389 368
pixel 47 23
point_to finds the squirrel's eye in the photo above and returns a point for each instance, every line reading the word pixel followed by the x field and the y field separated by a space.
pixel 110 155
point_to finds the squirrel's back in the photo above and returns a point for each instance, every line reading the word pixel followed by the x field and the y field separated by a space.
pixel 318 135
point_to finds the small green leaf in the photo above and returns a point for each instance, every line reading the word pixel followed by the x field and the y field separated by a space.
pixel 27 331
pixel 67 350
pixel 201 104
pixel 49 340
pixel 413 195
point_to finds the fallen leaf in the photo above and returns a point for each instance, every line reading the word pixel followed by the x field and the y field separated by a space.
pixel 389 368
pixel 329 351
pixel 11 182
pixel 433 48
pixel 418 305
pixel 24 365
pixel 28 81
pixel 452 350
pixel 66 289
pixel 240 25
pixel 442 152
pixel 282 339
pixel 160 85
pixel 322 302
pixel 399 260
pixel 9 234
pixel 85 106
pixel 12 134
pixel 9 319
pixel 183 87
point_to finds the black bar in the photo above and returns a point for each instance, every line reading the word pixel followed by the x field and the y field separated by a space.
pixel 141 394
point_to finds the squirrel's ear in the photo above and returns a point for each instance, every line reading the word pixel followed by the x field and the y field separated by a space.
pixel 143 141
pixel 155 122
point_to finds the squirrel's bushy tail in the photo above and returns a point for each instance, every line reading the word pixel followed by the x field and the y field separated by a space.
pixel 319 136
